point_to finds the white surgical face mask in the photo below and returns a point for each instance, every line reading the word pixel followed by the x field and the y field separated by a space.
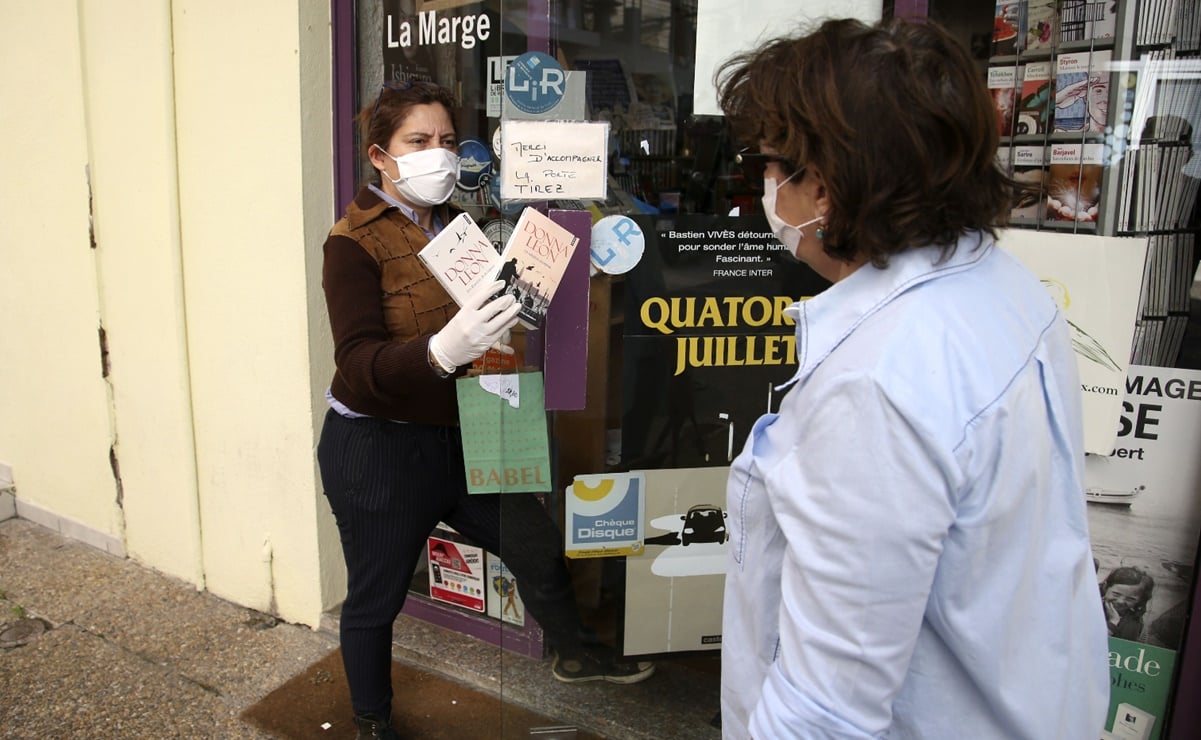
pixel 426 178
pixel 787 233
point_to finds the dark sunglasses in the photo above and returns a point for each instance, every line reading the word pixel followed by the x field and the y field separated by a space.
pixel 753 164
pixel 396 85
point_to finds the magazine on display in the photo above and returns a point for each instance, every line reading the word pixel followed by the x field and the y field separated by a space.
pixel 533 262
pixel 1073 192
pixel 1087 20
pixel 461 257
pixel 1002 87
pixel 1073 21
pixel 1034 104
pixel 1009 23
pixel 1040 26
pixel 1030 172
pixel 1144 517
pixel 1082 91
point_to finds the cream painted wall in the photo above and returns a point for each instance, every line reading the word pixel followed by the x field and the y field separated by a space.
pixel 206 127
pixel 316 92
pixel 128 94
pixel 255 183
pixel 55 426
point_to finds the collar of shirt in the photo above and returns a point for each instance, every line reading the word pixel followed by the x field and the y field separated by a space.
pixel 825 320
pixel 406 210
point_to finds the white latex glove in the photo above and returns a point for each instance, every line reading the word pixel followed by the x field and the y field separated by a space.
pixel 481 322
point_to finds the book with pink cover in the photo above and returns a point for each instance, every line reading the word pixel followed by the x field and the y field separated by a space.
pixel 533 262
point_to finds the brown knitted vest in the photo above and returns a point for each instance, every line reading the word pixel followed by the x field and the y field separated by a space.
pixel 414 302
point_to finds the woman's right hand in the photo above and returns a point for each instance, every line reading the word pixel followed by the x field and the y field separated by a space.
pixel 480 323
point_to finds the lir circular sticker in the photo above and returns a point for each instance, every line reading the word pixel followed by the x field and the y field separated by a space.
pixel 535 82
pixel 617 244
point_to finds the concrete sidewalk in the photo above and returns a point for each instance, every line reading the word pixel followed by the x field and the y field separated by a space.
pixel 127 652
pixel 96 646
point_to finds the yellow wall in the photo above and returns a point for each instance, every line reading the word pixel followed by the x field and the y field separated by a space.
pixel 130 136
pixel 206 129
pixel 55 429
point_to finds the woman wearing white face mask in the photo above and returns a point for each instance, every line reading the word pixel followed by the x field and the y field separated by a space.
pixel 805 200
pixel 907 534
pixel 390 454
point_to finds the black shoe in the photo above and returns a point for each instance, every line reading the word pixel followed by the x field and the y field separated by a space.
pixel 598 665
pixel 370 728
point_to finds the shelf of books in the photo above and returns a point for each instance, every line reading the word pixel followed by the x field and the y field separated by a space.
pixel 1096 105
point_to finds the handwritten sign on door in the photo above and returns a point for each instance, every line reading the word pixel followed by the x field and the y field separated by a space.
pixel 554 160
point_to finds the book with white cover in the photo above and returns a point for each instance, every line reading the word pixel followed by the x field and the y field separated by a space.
pixel 461 257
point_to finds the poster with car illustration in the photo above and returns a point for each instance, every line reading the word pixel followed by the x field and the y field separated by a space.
pixel 674 588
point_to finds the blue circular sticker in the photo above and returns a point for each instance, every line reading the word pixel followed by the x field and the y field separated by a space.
pixel 475 164
pixel 617 244
pixel 535 82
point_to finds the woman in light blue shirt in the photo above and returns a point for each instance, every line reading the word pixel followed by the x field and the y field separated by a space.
pixel 909 555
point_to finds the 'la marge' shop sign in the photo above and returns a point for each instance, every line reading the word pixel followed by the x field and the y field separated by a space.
pixel 554 160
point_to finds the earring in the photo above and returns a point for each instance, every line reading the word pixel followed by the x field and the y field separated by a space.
pixel 820 234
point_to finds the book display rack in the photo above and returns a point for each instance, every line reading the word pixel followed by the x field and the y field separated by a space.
pixel 1098 106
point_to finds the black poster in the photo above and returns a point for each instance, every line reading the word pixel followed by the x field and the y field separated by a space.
pixel 705 341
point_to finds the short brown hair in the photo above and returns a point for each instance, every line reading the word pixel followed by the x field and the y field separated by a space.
pixel 378 120
pixel 895 115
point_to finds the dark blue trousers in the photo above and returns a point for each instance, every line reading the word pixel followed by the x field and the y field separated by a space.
pixel 388 485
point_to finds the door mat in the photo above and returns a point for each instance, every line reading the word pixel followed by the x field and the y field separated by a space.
pixel 316 704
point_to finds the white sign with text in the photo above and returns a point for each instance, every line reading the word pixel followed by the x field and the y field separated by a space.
pixel 554 160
